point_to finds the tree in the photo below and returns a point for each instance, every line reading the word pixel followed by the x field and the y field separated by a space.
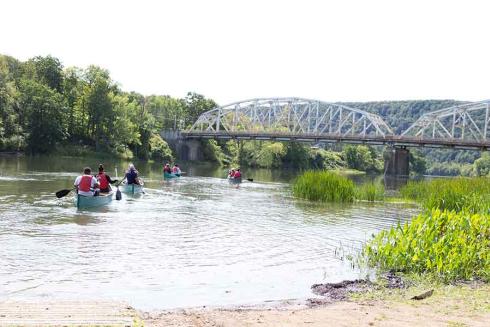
pixel 482 165
pixel 196 104
pixel 44 116
pixel 46 70
pixel 418 165
pixel 361 157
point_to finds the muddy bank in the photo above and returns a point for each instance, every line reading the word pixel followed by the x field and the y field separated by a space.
pixel 335 292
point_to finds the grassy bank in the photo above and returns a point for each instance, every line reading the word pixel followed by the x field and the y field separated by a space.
pixel 449 241
pixel 459 194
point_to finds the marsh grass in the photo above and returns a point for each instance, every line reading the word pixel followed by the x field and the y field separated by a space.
pixel 459 194
pixel 324 186
pixel 370 191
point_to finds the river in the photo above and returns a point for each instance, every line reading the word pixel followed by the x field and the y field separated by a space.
pixel 188 242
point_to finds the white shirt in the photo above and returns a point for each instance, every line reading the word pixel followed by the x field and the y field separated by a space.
pixel 92 185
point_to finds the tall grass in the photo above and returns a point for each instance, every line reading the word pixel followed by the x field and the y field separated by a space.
pixel 470 194
pixel 449 245
pixel 324 186
pixel 370 191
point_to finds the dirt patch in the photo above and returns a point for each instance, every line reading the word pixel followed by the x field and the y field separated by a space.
pixel 334 292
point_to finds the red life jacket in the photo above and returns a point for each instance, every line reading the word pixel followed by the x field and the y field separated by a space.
pixel 237 174
pixel 85 183
pixel 103 182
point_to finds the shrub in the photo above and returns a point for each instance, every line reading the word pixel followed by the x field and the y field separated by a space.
pixel 324 186
pixel 449 245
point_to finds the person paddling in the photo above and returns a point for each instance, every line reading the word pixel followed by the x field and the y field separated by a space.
pixel 132 175
pixel 237 174
pixel 167 169
pixel 104 180
pixel 86 184
pixel 176 170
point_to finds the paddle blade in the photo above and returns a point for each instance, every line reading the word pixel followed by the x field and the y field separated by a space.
pixel 118 194
pixel 62 193
pixel 250 179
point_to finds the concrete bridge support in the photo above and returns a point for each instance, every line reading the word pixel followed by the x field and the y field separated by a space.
pixel 397 162
pixel 185 149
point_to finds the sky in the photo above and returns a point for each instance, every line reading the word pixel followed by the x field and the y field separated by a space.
pixel 236 50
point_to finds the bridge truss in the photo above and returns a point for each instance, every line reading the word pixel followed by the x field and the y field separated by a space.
pixel 467 122
pixel 463 126
pixel 293 116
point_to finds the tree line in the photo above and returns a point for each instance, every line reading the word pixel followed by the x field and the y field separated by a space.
pixel 45 106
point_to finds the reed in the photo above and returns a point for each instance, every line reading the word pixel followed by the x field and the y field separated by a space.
pixel 468 194
pixel 324 186
pixel 370 191
pixel 447 244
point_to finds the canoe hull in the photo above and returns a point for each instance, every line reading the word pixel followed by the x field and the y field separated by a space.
pixel 131 188
pixel 168 176
pixel 93 201
pixel 232 180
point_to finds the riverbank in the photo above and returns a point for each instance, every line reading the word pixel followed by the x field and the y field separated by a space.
pixel 449 305
pixel 462 305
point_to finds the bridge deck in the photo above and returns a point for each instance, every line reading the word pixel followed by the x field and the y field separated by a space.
pixel 391 140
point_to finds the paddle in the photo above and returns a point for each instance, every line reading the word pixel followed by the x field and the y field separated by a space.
pixel 63 193
pixel 118 192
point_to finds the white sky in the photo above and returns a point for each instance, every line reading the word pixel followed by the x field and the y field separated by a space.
pixel 235 50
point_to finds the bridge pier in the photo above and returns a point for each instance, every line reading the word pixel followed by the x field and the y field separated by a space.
pixel 397 162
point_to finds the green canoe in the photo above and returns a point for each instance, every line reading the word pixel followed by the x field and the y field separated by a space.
pixel 168 176
pixel 82 201
pixel 132 188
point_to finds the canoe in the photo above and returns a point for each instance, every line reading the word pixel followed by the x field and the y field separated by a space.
pixel 131 188
pixel 82 201
pixel 172 175
pixel 234 180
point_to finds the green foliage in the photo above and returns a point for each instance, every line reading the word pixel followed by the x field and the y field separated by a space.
pixel 482 165
pixel 212 151
pixel 449 245
pixel 418 165
pixel 44 114
pixel 325 159
pixel 370 191
pixel 159 149
pixel 450 169
pixel 471 194
pixel 264 154
pixel 361 157
pixel 324 186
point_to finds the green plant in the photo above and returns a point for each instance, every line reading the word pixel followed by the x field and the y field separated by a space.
pixel 470 194
pixel 446 244
pixel 324 186
pixel 370 191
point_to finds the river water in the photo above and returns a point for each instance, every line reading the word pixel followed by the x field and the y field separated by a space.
pixel 188 242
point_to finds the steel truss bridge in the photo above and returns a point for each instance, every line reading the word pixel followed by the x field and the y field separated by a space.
pixel 463 126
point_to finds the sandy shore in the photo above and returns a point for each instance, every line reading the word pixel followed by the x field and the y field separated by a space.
pixel 467 305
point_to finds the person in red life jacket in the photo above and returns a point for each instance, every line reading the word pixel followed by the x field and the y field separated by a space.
pixel 104 180
pixel 86 184
pixel 176 170
pixel 167 169
pixel 238 174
